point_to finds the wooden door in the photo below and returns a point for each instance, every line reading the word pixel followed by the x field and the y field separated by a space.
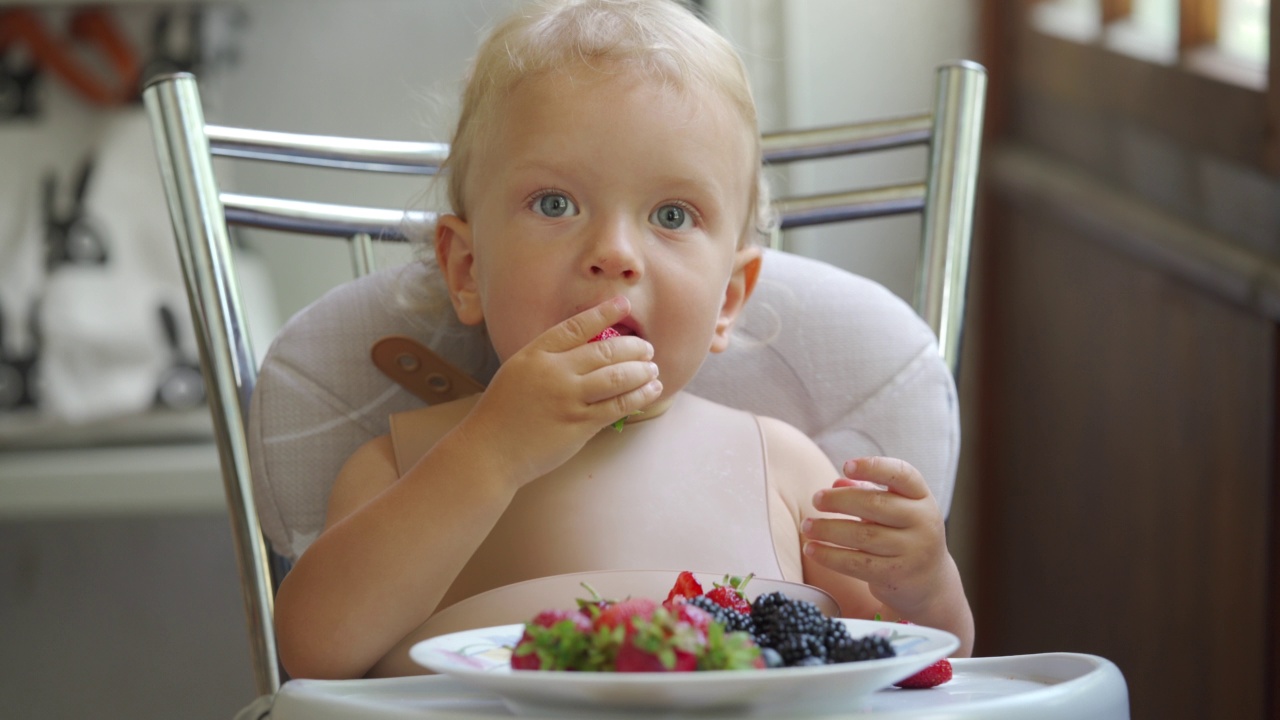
pixel 1124 343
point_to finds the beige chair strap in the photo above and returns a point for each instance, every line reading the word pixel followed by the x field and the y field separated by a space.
pixel 421 371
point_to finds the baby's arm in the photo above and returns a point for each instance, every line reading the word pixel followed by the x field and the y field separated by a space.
pixel 876 551
pixel 392 545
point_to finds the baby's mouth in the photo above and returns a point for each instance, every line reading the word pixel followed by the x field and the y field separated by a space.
pixel 629 326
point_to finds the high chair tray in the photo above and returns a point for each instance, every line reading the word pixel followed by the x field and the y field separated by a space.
pixel 1052 686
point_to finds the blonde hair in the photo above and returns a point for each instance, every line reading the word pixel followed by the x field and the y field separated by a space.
pixel 659 38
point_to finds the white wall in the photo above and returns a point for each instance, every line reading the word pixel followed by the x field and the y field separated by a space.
pixel 824 62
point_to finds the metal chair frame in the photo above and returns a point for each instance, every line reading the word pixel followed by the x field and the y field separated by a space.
pixel 201 215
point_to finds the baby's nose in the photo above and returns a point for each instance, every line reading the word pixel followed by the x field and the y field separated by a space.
pixel 616 254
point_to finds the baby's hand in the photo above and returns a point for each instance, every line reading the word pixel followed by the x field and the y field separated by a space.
pixel 554 394
pixel 894 540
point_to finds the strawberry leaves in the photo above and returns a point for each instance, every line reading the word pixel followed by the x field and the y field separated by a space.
pixel 554 640
pixel 731 593
pixel 631 635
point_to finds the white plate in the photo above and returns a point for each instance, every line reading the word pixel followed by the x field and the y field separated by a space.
pixel 481 658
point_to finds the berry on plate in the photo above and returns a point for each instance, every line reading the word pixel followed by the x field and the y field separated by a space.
pixel 553 640
pixel 619 614
pixel 695 630
pixel 659 643
pixel 729 594
pixel 686 587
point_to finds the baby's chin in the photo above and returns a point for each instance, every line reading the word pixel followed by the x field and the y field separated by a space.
pixel 653 410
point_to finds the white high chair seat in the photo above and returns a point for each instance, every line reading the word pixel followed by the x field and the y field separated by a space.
pixel 834 354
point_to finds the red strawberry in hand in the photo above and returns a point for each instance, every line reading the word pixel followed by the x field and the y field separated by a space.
pixel 686 587
pixel 932 676
pixel 605 335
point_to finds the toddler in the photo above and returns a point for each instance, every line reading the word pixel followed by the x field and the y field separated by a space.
pixel 605 173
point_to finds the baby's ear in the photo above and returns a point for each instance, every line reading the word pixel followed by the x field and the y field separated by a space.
pixel 456 259
pixel 746 270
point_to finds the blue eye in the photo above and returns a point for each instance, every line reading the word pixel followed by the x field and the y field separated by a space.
pixel 555 205
pixel 671 217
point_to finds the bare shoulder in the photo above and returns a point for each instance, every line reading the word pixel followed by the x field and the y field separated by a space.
pixel 797 466
pixel 368 471
pixel 375 465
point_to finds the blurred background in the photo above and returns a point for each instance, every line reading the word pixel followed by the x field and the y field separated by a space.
pixel 1117 492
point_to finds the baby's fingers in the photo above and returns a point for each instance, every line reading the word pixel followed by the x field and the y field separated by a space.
pixel 584 326
pixel 868 503
pixel 872 569
pixel 899 476
pixel 870 538
pixel 633 401
pixel 617 379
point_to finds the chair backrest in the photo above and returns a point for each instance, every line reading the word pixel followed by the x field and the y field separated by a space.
pixel 802 355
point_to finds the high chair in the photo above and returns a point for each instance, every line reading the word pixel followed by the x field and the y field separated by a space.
pixel 834 354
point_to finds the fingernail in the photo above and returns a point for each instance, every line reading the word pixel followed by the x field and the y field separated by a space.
pixel 655 386
pixel 850 467
pixel 806 526
pixel 653 369
pixel 808 549
pixel 817 497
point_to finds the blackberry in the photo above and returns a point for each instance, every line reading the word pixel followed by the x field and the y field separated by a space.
pixel 871 647
pixel 799 633
pixel 837 639
pixel 777 615
pixel 801 649
pixel 732 620
pixel 767 603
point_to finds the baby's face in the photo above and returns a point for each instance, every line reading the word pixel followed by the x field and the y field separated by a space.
pixel 597 185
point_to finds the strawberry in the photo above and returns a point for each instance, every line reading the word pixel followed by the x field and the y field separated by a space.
pixel 592 606
pixel 660 642
pixel 553 640
pixel 620 614
pixel 605 335
pixel 693 615
pixel 932 676
pixel 730 594
pixel 631 658
pixel 687 586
